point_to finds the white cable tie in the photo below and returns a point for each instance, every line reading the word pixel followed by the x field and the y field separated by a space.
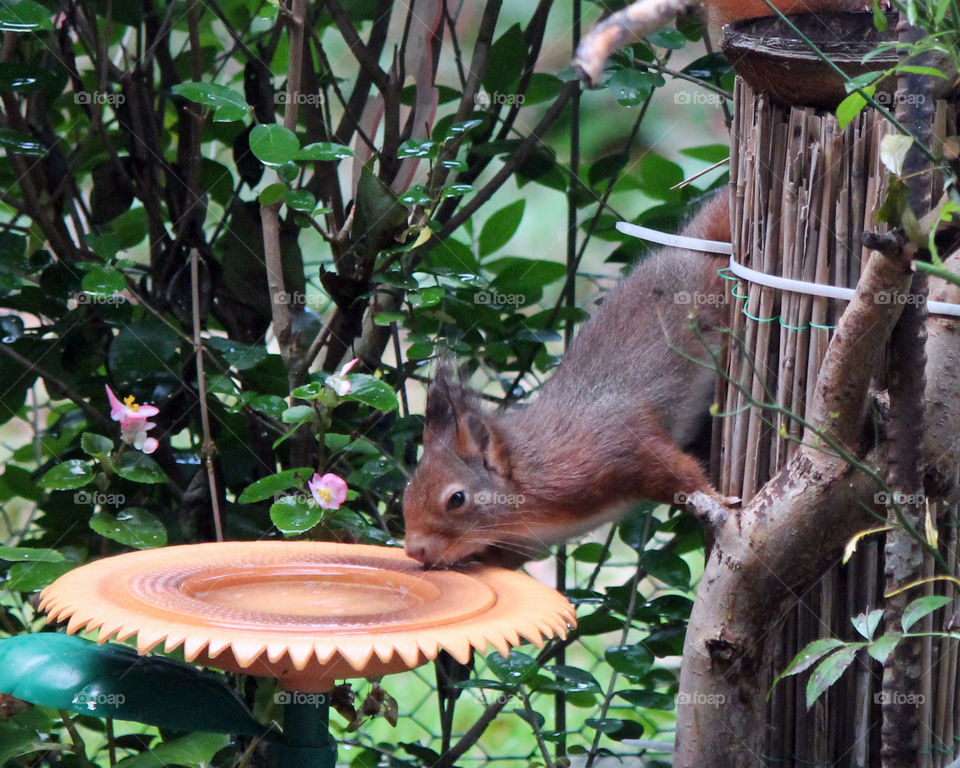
pixel 787 284
pixel 678 241
pixel 761 278
pixel 828 291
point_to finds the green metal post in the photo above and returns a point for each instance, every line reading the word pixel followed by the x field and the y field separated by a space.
pixel 306 740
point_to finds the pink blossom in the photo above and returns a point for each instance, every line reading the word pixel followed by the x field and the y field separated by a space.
pixel 329 491
pixel 134 423
pixel 338 381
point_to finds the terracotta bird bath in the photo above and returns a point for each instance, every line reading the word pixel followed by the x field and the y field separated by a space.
pixel 304 613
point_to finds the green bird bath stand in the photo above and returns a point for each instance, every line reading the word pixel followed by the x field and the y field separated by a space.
pixel 304 613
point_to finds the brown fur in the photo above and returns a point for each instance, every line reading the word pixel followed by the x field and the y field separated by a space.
pixel 610 426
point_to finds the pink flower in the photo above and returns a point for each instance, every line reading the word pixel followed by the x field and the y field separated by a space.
pixel 134 423
pixel 338 381
pixel 329 491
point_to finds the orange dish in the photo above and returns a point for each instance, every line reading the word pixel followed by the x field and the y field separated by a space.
pixel 306 613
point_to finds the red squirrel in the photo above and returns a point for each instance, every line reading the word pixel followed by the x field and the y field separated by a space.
pixel 610 426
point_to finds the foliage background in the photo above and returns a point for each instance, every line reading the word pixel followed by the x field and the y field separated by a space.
pixel 140 135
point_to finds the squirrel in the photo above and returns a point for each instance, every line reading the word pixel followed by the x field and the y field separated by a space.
pixel 609 427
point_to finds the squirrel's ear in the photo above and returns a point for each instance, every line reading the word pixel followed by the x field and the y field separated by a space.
pixel 478 434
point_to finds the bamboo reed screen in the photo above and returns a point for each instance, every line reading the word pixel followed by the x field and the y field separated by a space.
pixel 803 192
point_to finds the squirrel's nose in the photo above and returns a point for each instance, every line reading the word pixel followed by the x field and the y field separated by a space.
pixel 415 547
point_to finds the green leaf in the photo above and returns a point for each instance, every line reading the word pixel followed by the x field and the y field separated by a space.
pixel 139 468
pixel 670 568
pixel 616 728
pixel 30 555
pixel 426 297
pixel 416 195
pixel 633 660
pixel 882 647
pixel 31 577
pixel 542 87
pixel 648 699
pixel 313 390
pixel 572 680
pixel 67 475
pixel 500 227
pixel 525 277
pixel 386 318
pixel 866 623
pixel 103 282
pixel 237 354
pixel 273 144
pixel 709 153
pixel 630 87
pixel 24 16
pixel 112 680
pixel 591 552
pixel 95 445
pixel 920 608
pixel 849 108
pixel 515 669
pixel 418 148
pixel 21 143
pixel 195 750
pixel 297 414
pixel 301 200
pixel 132 527
pixel 228 105
pixel 273 484
pixel 505 61
pixel 294 514
pixel 325 151
pixel 811 655
pixel 455 190
pixel 829 671
pixel 273 193
pixel 372 391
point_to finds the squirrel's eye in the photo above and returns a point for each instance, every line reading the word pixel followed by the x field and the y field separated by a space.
pixel 456 500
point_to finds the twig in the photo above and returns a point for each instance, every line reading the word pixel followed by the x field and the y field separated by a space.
pixel 208 444
pixel 511 165
pixel 295 73
pixel 75 397
pixel 536 729
pixel 628 622
pixel 369 65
